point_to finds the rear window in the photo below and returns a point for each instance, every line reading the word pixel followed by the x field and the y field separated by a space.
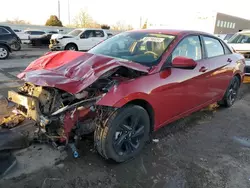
pixel 99 33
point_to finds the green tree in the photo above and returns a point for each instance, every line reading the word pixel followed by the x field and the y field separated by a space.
pixel 53 21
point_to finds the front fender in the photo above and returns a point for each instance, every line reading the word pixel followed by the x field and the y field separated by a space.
pixel 118 100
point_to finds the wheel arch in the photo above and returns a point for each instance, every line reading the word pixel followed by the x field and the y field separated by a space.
pixel 7 46
pixel 148 107
pixel 71 43
pixel 239 77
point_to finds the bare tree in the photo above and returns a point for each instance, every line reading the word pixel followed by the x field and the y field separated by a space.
pixel 84 20
pixel 17 21
pixel 122 26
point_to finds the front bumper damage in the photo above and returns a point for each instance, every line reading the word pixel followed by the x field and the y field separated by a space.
pixel 55 45
pixel 57 126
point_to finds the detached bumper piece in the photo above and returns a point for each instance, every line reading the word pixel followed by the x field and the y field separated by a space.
pixel 7 162
pixel 19 137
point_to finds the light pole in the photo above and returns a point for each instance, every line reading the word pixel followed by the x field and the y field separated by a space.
pixel 59 9
pixel 68 12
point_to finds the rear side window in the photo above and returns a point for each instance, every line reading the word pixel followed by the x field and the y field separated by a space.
pixel 99 33
pixel 37 33
pixel 88 34
pixel 213 47
pixel 3 31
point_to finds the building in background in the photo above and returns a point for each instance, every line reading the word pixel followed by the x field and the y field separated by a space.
pixel 211 22
pixel 230 24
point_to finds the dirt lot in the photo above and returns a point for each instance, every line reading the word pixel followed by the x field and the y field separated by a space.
pixel 205 150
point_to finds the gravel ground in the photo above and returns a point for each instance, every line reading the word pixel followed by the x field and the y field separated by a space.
pixel 209 149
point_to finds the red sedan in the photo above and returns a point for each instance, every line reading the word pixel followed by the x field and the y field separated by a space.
pixel 128 86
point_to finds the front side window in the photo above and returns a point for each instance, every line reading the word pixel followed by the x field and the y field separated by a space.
pixel 189 47
pixel 240 38
pixel 213 47
pixel 141 47
pixel 3 31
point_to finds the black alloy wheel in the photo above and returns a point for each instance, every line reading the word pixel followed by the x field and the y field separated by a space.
pixel 125 135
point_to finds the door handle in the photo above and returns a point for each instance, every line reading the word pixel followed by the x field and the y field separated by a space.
pixel 203 69
pixel 229 60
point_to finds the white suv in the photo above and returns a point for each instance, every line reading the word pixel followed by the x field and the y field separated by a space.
pixel 78 39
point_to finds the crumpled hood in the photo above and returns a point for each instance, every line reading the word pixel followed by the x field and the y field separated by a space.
pixel 72 71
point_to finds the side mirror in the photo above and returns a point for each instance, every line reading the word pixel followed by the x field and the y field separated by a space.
pixel 183 63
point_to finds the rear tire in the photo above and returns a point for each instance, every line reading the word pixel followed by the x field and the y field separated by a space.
pixel 124 135
pixel 231 93
pixel 72 47
pixel 4 52
pixel 16 46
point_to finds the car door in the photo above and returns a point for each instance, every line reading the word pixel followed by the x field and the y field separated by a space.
pixel 99 36
pixel 219 57
pixel 86 40
pixel 5 36
pixel 190 88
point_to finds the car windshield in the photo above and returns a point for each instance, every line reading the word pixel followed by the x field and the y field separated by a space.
pixel 75 32
pixel 144 48
pixel 240 38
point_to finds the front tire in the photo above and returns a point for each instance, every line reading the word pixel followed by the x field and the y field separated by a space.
pixel 124 135
pixel 4 52
pixel 72 47
pixel 231 93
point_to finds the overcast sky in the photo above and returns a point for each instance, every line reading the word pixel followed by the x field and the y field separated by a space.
pixel 111 11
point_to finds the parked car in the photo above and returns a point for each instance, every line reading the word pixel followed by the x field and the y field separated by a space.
pixel 127 87
pixel 42 40
pixel 9 37
pixel 25 38
pixel 5 50
pixel 78 39
pixel 240 42
pixel 34 33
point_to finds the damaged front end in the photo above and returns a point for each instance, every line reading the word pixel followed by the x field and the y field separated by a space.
pixel 62 117
pixel 61 96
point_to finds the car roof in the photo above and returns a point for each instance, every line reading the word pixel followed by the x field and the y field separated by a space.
pixel 172 31
pixel 5 26
pixel 245 31
pixel 83 29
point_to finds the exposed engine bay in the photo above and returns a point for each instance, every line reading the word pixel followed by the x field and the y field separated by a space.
pixel 62 117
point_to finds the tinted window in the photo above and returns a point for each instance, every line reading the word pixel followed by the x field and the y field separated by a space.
pixel 99 33
pixel 37 32
pixel 88 34
pixel 189 47
pixel 3 31
pixel 213 47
